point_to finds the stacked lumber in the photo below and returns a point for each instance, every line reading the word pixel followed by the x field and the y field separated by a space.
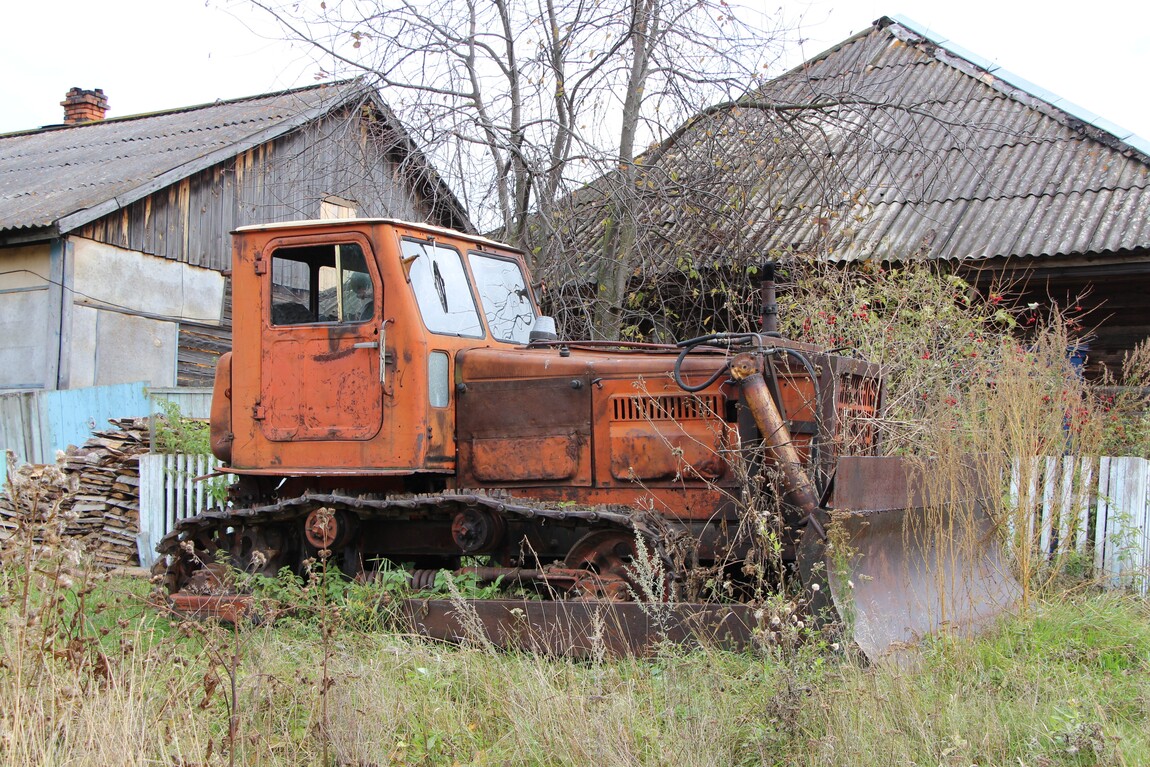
pixel 106 505
pixel 93 492
pixel 34 499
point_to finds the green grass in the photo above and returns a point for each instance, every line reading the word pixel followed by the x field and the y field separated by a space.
pixel 1068 683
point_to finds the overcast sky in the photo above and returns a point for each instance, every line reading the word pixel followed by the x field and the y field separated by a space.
pixel 151 55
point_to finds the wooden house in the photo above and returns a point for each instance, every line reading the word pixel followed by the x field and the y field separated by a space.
pixel 114 233
pixel 896 145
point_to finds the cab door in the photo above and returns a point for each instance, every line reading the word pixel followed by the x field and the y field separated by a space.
pixel 321 357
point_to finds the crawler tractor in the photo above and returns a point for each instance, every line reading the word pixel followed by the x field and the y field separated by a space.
pixel 394 399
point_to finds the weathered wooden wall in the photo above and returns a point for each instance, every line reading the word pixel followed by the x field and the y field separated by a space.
pixel 1106 297
pixel 350 155
pixel 286 179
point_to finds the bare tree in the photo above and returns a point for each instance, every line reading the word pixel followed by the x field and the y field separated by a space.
pixel 521 102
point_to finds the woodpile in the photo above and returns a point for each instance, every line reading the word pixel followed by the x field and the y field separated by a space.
pixel 33 501
pixel 96 500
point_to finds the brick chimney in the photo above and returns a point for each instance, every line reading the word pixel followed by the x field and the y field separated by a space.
pixel 81 106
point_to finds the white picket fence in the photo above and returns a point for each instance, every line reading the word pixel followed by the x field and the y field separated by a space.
pixel 1101 505
pixel 169 491
pixel 1098 507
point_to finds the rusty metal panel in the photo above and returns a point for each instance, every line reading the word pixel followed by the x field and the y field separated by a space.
pixel 321 387
pixel 665 436
pixel 525 430
pixel 520 459
pixel 582 629
pixel 526 407
pixel 665 452
pixel 651 433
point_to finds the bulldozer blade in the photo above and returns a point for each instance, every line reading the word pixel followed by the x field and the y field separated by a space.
pixel 897 569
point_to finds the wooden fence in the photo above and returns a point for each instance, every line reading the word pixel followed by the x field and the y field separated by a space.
pixel 169 491
pixel 1099 507
pixel 1096 507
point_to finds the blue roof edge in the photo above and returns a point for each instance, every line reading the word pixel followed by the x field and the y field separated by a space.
pixel 1021 83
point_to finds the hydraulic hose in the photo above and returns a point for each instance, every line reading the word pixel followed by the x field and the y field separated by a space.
pixel 691 344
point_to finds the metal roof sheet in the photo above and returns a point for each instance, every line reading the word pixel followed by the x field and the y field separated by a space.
pixel 65 176
pixel 922 150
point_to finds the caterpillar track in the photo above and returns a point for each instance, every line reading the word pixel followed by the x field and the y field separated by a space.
pixel 526 538
pixel 588 597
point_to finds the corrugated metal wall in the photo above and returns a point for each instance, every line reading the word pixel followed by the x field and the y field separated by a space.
pixel 36 424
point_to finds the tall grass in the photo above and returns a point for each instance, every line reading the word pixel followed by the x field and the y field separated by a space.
pixel 983 393
pixel 1067 683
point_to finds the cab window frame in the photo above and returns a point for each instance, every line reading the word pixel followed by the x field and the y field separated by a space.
pixel 527 295
pixel 425 299
pixel 311 306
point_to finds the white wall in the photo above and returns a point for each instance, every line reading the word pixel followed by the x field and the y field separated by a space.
pixel 24 321
pixel 125 313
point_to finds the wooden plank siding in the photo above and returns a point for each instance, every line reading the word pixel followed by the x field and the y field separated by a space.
pixel 346 155
pixel 200 346
pixel 1106 302
pixel 283 180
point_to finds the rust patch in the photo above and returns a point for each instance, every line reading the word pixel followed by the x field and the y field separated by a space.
pixel 336 355
pixel 663 454
pixel 525 458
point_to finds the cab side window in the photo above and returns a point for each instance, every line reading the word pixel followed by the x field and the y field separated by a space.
pixel 321 284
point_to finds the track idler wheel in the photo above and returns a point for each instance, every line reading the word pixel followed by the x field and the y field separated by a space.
pixel 608 563
pixel 327 528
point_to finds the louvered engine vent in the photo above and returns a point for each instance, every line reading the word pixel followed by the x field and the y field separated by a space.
pixel 669 407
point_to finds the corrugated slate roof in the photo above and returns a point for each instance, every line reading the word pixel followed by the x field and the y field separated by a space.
pixel 912 148
pixel 67 176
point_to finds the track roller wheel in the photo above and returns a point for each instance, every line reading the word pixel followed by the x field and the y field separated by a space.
pixel 327 528
pixel 609 557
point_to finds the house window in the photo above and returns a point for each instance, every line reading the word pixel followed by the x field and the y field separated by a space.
pixel 321 283
pixel 332 207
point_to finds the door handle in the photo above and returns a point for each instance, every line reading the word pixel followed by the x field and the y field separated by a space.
pixel 366 345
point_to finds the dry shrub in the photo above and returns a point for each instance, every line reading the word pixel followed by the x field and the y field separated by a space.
pixel 984 392
pixel 930 333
